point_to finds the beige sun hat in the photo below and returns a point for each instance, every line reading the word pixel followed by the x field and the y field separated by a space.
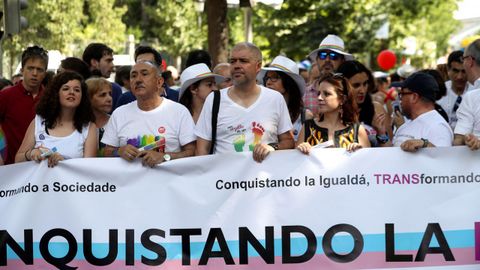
pixel 196 73
pixel 287 66
pixel 332 43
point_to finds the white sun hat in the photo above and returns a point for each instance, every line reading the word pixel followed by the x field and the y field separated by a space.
pixel 195 73
pixel 287 66
pixel 333 43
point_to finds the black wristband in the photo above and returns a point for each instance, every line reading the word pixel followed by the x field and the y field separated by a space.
pixel 425 143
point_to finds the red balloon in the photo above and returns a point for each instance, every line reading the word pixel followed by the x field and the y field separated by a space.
pixel 386 59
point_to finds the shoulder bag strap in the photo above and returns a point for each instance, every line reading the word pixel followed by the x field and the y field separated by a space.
pixel 215 109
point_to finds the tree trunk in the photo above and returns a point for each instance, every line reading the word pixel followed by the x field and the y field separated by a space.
pixel 217 30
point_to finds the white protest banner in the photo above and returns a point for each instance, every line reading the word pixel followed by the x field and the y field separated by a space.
pixel 372 209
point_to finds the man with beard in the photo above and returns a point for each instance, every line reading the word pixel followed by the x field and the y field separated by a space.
pixel 456 86
pixel 426 128
pixel 250 117
pixel 328 57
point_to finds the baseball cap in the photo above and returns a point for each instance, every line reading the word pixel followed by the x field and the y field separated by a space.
pixel 421 83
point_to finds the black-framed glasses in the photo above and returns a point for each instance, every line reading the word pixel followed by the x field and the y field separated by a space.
pixel 332 55
pixel 467 56
pixel 401 94
pixel 271 78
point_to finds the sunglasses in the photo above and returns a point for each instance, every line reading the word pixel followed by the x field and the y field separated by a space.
pixel 332 55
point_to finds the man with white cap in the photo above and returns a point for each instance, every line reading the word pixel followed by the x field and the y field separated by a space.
pixel 283 76
pixel 197 83
pixel 152 128
pixel 328 57
pixel 250 117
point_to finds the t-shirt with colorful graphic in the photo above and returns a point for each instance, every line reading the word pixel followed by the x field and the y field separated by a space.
pixel 170 121
pixel 239 129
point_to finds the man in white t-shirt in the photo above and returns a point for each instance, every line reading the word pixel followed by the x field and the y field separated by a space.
pixel 426 128
pixel 251 117
pixel 151 118
pixel 456 87
pixel 467 129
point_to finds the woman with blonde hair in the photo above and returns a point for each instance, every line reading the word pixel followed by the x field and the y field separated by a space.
pixel 100 95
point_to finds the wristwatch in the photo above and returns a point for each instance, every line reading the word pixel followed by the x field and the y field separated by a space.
pixel 166 157
pixel 425 142
pixel 274 145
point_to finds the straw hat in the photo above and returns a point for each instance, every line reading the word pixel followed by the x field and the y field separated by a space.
pixel 195 73
pixel 287 66
pixel 332 43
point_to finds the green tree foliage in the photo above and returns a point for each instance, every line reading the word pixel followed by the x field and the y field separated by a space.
pixel 299 26
pixel 67 26
pixel 103 23
pixel 173 26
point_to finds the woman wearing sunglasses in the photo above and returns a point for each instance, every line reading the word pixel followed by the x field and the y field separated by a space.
pixel 337 120
pixel 283 76
pixel 372 114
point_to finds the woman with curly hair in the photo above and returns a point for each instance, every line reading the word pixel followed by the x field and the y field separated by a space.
pixel 337 120
pixel 63 127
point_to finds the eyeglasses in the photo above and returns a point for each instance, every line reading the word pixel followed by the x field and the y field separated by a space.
pixel 272 79
pixel 332 55
pixel 467 56
pixel 401 94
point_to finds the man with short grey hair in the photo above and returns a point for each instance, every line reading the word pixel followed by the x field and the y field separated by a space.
pixel 467 129
pixel 250 117
pixel 133 128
